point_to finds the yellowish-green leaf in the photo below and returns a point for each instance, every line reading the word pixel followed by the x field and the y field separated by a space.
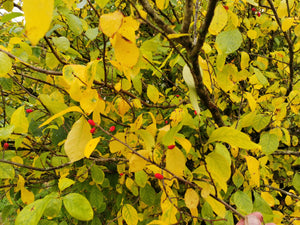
pixel 7 171
pixel 175 161
pixel 186 144
pixel 90 146
pixel 219 20
pixel 171 36
pixel 216 206
pixel 19 120
pixel 218 164
pixel 69 3
pixel 162 4
pixel 252 34
pixel 38 16
pixel 136 163
pixel 253 168
pixel 152 93
pixel 244 60
pixel 54 102
pixel 232 137
pixel 129 214
pixel 70 109
pixel 110 23
pixel 251 101
pixel 128 28
pixel 282 9
pixel 89 99
pixel 297 30
pixel 64 183
pixel 191 198
pixel 77 139
pixel 27 197
pixel 5 64
pixel 269 143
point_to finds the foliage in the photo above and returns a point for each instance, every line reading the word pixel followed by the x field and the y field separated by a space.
pixel 150 112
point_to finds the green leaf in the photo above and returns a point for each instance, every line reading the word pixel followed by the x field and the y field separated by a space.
pixel 260 205
pixel 75 24
pixel 6 171
pixel 296 181
pixel 169 137
pixel 53 208
pixel 19 120
pixel 102 3
pixel 229 41
pixel 78 207
pixel 243 202
pixel 32 213
pixel 62 43
pixel 97 174
pixel 269 143
pixel 148 194
pixel 238 178
pixel 10 16
pixel 64 183
pixel 218 164
pixel 92 33
pixel 152 93
pixel 5 64
pixel 5 132
pixel 6 83
pixel 140 178
pixel 148 139
pixel 260 77
pixel 129 214
pixel 260 122
pixel 233 137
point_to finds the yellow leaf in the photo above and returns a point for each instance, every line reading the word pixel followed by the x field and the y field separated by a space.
pixel 171 36
pixel 253 168
pixel 268 198
pixel 152 93
pixel 69 3
pixel 207 49
pixel 175 161
pixel 218 164
pixel 162 4
pixel 297 30
pixel 27 196
pixel 251 101
pixel 77 139
pixel 186 144
pixel 136 163
pixel 282 9
pixel 19 120
pixel 110 23
pixel 216 206
pixel 123 107
pixel 72 73
pixel 38 16
pixel 90 146
pixel 89 100
pixel 70 109
pixel 169 208
pixel 128 28
pixel 287 23
pixel 126 52
pixel 219 20
pixel 64 183
pixel 191 198
pixel 137 123
pixel 233 137
pixel 244 60
pixel 252 34
pixel 195 214
pixel 157 222
pixel 129 214
pixel 116 146
pixel 5 64
pixel 207 188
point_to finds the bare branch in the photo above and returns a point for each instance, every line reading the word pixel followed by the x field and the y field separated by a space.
pixel 188 12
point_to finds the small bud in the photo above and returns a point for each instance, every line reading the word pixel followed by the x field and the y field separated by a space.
pixel 29 110
pixel 171 146
pixel 159 176
pixel 112 128
pixel 93 130
pixel 5 145
pixel 91 122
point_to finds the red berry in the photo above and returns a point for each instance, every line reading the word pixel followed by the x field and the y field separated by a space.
pixel 177 96
pixel 171 146
pixel 166 122
pixel 29 110
pixel 93 130
pixel 195 112
pixel 226 7
pixel 121 174
pixel 159 176
pixel 258 14
pixel 91 122
pixel 98 58
pixel 253 9
pixel 112 128
pixel 5 145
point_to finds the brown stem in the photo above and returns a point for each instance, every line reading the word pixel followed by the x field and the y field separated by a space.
pixel 188 12
pixel 54 52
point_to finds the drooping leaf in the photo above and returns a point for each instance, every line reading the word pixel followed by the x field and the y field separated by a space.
pixel 90 146
pixel 64 183
pixel 75 24
pixel 97 174
pixel 269 143
pixel 296 181
pixel 110 23
pixel 129 214
pixel 5 64
pixel 62 43
pixel 216 206
pixel 162 4
pixel 78 207
pixel 5 132
pixel 253 168
pixel 175 161
pixel 7 171
pixel 152 93
pixel 229 41
pixel 38 16
pixel 20 121
pixel 77 139
pixel 191 198
pixel 219 20
pixel 232 137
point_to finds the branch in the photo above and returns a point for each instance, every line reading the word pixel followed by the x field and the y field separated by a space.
pixel 188 12
pixel 282 191
pixel 36 168
pixel 57 73
pixel 54 52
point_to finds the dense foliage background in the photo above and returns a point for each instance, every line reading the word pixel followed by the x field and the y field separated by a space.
pixel 149 112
